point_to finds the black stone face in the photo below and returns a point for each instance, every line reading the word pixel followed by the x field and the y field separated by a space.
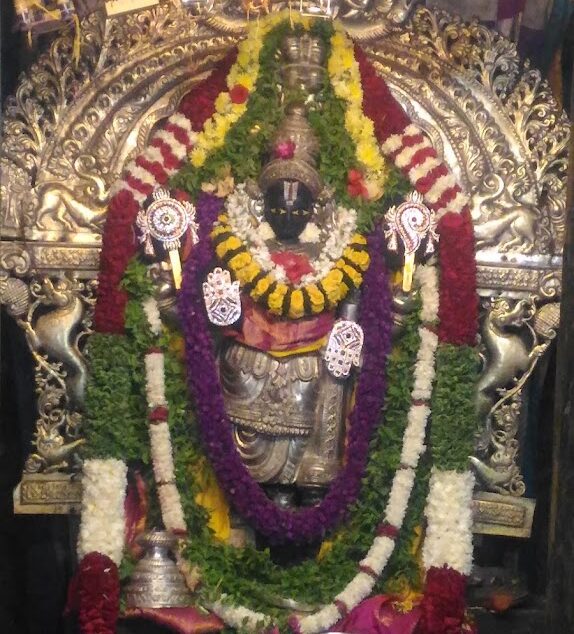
pixel 288 208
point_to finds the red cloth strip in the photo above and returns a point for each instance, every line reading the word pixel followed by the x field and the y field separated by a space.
pixel 180 620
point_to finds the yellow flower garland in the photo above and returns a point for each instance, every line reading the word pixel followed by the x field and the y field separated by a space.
pixel 244 73
pixel 284 299
pixel 346 81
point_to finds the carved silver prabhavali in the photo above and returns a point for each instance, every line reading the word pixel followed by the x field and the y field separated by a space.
pixel 156 581
pixel 222 298
pixel 344 348
pixel 69 130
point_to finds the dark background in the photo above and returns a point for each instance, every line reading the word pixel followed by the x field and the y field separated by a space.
pixel 35 551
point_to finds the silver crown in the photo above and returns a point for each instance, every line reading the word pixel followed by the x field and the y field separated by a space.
pixel 304 57
pixel 301 166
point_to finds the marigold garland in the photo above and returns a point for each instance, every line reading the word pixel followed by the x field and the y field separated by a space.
pixel 282 298
pixel 346 81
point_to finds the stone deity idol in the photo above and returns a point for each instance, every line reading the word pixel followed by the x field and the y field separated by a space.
pixel 288 410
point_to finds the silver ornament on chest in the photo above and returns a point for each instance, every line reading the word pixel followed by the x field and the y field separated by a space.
pixel 344 348
pixel 222 298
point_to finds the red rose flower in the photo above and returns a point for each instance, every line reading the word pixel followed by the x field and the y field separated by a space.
pixel 295 264
pixel 356 185
pixel 239 94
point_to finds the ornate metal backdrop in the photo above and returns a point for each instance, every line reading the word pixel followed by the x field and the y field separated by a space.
pixel 70 128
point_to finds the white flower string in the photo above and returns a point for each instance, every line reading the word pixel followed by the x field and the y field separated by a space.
pixel 104 483
pixel 256 238
pixel 371 567
pixel 448 539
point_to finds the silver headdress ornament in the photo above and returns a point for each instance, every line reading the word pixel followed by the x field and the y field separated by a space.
pixel 295 148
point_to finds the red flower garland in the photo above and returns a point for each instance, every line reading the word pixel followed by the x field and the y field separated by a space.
pixel 378 103
pixel 458 312
pixel 458 308
pixel 118 243
pixel 95 594
pixel 443 604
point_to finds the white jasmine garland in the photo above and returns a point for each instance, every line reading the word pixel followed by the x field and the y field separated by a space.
pixel 382 547
pixel 256 237
pixel 155 379
pixel 448 539
pixel 171 508
pixel 427 278
pixel 399 497
pixel 424 369
pixel 239 617
pixel 414 444
pixel 160 440
pixel 102 527
pixel 311 234
pixel 151 311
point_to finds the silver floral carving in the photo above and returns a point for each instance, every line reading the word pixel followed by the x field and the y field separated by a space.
pixel 69 131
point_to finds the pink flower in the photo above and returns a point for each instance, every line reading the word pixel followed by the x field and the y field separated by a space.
pixel 285 150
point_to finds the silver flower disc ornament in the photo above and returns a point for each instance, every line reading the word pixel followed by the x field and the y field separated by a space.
pixel 411 222
pixel 166 220
pixel 344 348
pixel 222 299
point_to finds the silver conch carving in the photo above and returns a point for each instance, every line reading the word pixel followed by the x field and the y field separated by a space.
pixel 222 298
pixel 344 348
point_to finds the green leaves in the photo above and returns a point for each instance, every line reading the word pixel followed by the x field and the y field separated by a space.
pixel 454 419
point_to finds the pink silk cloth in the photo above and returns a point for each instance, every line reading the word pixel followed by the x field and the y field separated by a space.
pixel 378 616
pixel 179 620
pixel 264 332
pixel 374 616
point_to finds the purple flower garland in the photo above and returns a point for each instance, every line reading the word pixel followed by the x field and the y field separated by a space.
pixel 242 491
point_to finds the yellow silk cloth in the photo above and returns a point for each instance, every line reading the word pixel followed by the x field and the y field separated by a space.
pixel 212 499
